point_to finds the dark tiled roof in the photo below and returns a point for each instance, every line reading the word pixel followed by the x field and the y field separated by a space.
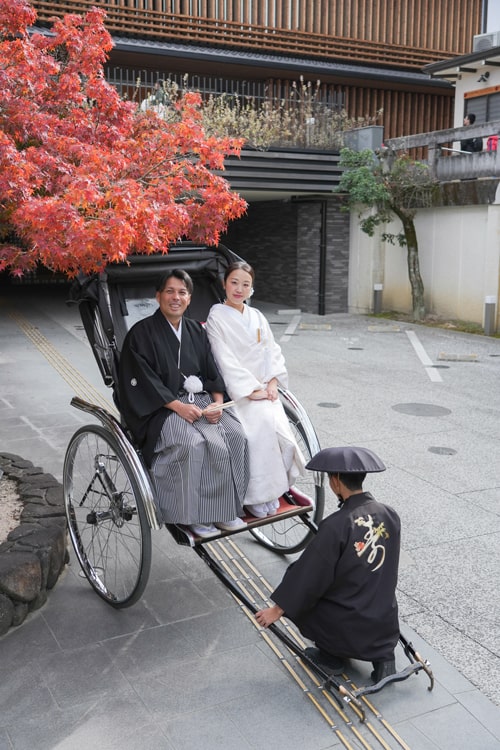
pixel 453 64
pixel 278 62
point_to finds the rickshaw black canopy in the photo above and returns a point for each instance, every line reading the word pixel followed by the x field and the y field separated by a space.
pixel 112 301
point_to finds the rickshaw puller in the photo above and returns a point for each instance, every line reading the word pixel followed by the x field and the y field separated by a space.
pixel 341 591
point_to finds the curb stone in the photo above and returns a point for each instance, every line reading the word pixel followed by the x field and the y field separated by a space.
pixel 34 554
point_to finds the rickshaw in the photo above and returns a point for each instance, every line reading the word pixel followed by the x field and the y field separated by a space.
pixel 108 493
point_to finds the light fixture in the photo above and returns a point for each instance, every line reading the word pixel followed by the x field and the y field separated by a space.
pixel 484 77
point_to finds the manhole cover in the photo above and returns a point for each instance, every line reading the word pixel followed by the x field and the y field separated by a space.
pixel 355 348
pixel 442 451
pixel 422 410
pixel 440 367
pixel 329 405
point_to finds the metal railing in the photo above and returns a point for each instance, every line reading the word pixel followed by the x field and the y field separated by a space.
pixel 137 84
pixel 266 114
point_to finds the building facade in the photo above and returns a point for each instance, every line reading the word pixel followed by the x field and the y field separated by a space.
pixel 368 56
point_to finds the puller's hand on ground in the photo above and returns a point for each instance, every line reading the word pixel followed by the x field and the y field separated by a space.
pixel 266 617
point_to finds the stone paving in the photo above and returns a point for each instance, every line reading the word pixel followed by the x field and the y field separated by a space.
pixel 184 668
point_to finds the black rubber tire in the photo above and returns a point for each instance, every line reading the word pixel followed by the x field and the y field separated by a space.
pixel 107 521
pixel 292 535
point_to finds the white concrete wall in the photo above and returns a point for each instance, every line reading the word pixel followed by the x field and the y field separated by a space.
pixel 459 251
pixel 459 247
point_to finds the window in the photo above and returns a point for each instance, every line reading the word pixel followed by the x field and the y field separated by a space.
pixel 485 107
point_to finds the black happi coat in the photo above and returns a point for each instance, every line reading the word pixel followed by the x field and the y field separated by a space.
pixel 341 591
pixel 149 376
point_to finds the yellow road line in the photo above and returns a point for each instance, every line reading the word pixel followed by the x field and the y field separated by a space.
pixel 73 378
pixel 86 390
pixel 214 548
pixel 234 561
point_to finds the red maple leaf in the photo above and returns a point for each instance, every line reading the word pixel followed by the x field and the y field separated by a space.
pixel 85 177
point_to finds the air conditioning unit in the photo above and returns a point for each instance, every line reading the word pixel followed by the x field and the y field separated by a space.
pixel 483 42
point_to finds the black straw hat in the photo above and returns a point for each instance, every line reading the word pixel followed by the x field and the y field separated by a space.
pixel 348 459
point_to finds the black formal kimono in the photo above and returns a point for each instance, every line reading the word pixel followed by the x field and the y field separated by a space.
pixel 199 470
pixel 341 591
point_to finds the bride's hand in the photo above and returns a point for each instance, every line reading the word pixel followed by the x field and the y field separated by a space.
pixel 258 395
pixel 272 393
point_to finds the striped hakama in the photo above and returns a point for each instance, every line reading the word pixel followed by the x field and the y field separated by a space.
pixel 200 470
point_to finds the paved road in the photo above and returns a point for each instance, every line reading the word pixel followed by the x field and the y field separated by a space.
pixel 182 668
pixel 428 402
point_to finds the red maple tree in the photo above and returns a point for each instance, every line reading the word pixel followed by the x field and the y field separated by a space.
pixel 85 177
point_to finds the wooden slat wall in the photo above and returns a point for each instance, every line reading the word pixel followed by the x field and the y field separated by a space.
pixel 130 17
pixel 404 111
pixel 431 24
pixel 442 27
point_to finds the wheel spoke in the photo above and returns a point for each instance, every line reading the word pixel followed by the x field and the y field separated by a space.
pixel 292 535
pixel 106 519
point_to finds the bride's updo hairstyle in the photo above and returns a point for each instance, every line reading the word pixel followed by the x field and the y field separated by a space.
pixel 239 265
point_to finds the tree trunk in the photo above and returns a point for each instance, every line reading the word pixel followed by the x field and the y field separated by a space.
pixel 416 283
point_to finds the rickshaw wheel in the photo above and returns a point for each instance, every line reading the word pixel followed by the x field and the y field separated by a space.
pixel 292 535
pixel 107 522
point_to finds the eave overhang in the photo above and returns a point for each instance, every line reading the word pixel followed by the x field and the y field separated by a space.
pixel 474 62
pixel 272 64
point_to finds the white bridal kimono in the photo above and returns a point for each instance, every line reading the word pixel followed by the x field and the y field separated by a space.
pixel 248 357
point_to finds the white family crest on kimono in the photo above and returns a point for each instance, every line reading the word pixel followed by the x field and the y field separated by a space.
pixel 192 385
pixel 248 357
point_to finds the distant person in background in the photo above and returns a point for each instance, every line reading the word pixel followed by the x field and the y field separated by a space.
pixel 157 99
pixel 471 145
pixel 159 95
pixel 492 143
